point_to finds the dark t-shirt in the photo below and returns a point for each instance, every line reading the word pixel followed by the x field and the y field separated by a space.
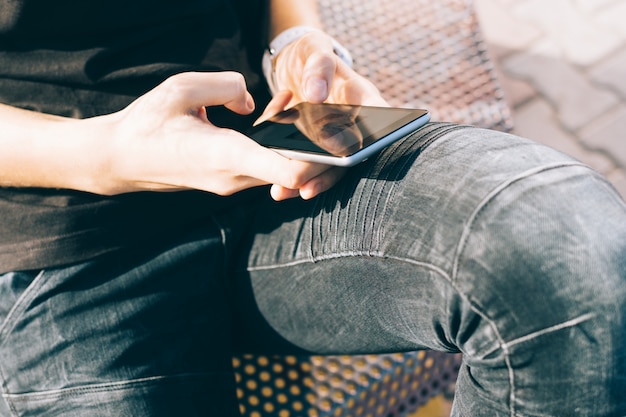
pixel 82 59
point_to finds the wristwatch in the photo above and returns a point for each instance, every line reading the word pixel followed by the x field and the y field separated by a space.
pixel 285 38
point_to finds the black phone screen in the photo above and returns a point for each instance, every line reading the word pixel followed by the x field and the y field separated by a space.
pixel 331 129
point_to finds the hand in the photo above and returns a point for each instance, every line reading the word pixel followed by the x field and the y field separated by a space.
pixel 311 71
pixel 163 141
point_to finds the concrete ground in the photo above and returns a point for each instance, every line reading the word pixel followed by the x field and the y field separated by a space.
pixel 562 65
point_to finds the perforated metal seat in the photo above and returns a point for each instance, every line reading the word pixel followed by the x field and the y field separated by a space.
pixel 424 54
pixel 363 386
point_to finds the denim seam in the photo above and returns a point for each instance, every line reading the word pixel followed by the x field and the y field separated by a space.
pixel 19 306
pixel 461 247
pixel 434 131
pixel 102 387
pixel 560 326
pixel 318 258
pixel 5 327
pixel 437 132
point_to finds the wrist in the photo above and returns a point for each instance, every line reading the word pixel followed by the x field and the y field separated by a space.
pixel 287 37
pixel 81 159
pixel 47 151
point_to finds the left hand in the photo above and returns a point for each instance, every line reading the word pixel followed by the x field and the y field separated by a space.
pixel 309 70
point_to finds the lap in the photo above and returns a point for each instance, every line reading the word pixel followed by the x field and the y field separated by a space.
pixel 436 201
pixel 456 239
pixel 129 334
pixel 439 243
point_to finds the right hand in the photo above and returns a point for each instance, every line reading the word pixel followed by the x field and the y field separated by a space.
pixel 163 141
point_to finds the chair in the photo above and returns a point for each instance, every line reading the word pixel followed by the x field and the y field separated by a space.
pixel 424 54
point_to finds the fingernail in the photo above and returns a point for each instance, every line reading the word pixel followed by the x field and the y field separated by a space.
pixel 316 89
pixel 249 102
pixel 312 190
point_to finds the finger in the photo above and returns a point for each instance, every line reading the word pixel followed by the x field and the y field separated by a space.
pixel 362 92
pixel 313 52
pixel 265 166
pixel 280 193
pixel 311 188
pixel 355 89
pixel 321 183
pixel 278 103
pixel 319 68
pixel 191 90
pixel 318 74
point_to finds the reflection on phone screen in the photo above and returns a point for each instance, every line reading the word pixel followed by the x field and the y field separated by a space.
pixel 331 129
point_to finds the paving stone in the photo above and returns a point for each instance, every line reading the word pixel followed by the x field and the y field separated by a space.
pixel 578 101
pixel 516 91
pixel 498 52
pixel 502 29
pixel 613 18
pixel 587 6
pixel 607 134
pixel 580 38
pixel 536 120
pixel 612 73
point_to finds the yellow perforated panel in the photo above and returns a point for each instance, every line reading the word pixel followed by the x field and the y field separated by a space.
pixel 341 386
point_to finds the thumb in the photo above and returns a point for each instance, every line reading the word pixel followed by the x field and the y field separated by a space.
pixel 318 74
pixel 278 103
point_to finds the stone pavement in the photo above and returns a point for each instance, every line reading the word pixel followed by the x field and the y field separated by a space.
pixel 562 66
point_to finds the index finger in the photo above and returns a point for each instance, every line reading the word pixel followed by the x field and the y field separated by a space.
pixel 192 90
pixel 270 167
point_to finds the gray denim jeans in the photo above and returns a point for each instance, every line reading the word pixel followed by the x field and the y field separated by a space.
pixel 456 239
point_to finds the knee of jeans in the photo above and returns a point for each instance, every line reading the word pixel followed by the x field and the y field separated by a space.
pixel 546 249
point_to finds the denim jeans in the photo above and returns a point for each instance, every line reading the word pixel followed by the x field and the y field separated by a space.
pixel 456 239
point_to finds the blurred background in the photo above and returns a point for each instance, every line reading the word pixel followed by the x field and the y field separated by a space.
pixel 562 66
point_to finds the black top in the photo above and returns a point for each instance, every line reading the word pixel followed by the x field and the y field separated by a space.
pixel 82 59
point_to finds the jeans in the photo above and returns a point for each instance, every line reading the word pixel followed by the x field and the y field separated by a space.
pixel 456 239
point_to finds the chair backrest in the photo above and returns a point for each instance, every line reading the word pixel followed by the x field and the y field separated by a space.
pixel 423 54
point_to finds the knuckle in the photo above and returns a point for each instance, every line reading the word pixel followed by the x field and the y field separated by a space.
pixel 236 81
pixel 323 59
pixel 295 179
pixel 176 85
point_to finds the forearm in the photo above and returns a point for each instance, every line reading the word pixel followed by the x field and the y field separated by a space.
pixel 287 13
pixel 40 150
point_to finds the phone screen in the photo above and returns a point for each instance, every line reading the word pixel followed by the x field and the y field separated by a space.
pixel 334 130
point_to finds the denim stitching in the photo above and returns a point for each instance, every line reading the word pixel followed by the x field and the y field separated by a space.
pixel 5 328
pixel 430 133
pixel 19 305
pixel 103 387
pixel 461 247
pixel 334 255
pixel 570 323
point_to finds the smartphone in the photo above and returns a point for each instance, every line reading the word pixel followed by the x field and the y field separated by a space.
pixel 336 134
